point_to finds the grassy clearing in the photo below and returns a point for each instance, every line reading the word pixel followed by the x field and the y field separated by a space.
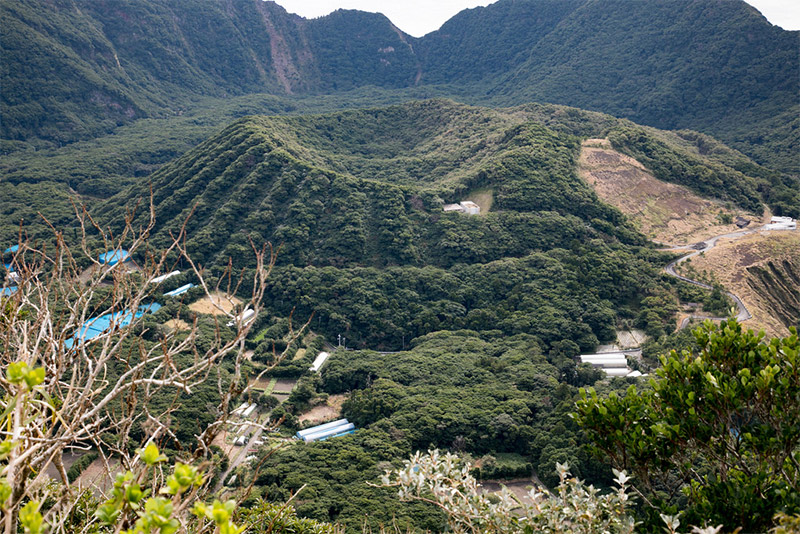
pixel 482 197
pixel 217 304
pixel 270 386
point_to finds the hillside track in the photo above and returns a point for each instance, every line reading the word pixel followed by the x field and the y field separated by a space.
pixel 743 314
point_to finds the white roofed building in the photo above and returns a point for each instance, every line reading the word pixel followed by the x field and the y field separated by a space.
pixel 613 363
pixel 470 208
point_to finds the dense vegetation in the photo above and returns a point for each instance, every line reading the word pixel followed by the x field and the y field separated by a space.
pixel 182 51
pixel 481 394
pixel 715 434
pixel 355 200
pixel 716 67
pixel 108 102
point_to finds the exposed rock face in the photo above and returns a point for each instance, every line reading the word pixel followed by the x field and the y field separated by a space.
pixel 778 283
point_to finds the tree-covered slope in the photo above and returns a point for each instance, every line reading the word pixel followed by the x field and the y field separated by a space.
pixel 715 66
pixel 72 71
pixel 359 187
pixel 355 199
pixel 479 44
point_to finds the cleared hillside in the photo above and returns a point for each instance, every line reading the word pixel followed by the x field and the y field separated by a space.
pixel 763 269
pixel 664 212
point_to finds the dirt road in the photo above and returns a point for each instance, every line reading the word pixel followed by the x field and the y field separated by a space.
pixel 743 314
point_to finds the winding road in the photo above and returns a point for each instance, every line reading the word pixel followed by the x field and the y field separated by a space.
pixel 743 314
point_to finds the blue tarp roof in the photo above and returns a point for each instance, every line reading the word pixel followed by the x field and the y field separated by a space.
pixel 97 325
pixel 11 249
pixel 112 257
pixel 8 291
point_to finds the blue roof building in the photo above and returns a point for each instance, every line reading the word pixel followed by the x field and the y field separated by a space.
pixel 333 429
pixel 112 257
pixel 97 325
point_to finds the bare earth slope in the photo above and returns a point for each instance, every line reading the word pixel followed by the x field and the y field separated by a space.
pixel 763 269
pixel 664 212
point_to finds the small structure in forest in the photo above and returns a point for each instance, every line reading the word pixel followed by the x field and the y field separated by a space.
pixel 334 429
pixel 465 206
pixel 98 325
pixel 179 291
pixel 319 361
pixel 113 257
pixel 613 363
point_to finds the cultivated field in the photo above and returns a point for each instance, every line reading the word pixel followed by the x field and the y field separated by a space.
pixel 664 212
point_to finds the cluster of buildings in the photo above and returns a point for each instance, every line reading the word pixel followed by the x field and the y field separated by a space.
pixel 613 363
pixel 246 410
pixel 781 223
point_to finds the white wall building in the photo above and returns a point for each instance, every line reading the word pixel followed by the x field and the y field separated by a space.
pixel 613 363
pixel 781 223
pixel 465 206
pixel 319 361
pixel 470 208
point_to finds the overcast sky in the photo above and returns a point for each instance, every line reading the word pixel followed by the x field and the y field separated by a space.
pixel 418 17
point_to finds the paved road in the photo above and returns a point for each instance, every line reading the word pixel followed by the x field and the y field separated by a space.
pixel 240 457
pixel 743 314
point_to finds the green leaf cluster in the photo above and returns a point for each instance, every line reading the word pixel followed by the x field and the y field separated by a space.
pixel 718 423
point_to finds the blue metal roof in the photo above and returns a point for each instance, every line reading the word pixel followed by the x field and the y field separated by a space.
pixel 320 428
pixel 112 257
pixel 8 291
pixel 97 325
pixel 12 248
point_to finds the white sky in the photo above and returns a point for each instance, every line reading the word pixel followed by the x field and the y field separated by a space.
pixel 418 17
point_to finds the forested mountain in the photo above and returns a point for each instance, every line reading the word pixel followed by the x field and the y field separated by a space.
pixel 72 71
pixel 340 140
pixel 355 199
